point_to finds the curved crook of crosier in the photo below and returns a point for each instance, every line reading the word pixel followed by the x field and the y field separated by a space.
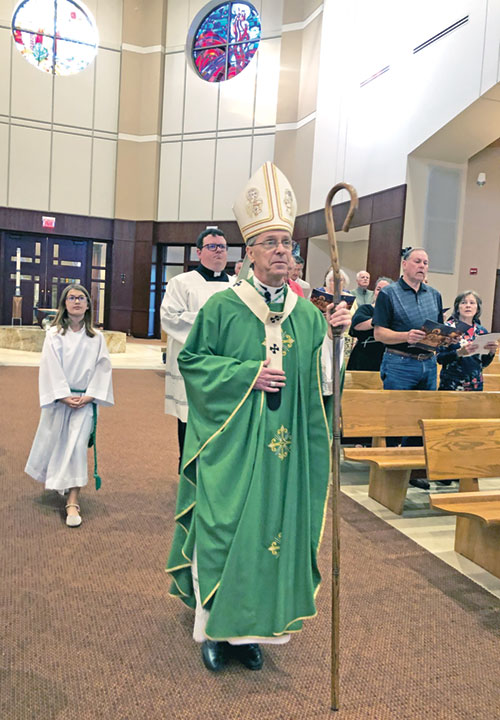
pixel 330 227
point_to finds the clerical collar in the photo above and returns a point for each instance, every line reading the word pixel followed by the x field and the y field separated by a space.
pixel 212 275
pixel 269 293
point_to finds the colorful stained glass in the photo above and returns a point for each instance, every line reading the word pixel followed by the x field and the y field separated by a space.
pixel 59 37
pixel 226 41
pixel 214 28
pixel 211 64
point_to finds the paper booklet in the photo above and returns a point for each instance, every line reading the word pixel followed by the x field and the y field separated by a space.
pixel 438 334
pixel 321 298
pixel 482 340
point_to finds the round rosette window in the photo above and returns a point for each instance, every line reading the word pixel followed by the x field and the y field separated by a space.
pixel 56 36
pixel 223 39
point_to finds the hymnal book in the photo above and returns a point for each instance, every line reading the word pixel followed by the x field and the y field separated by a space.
pixel 438 335
pixel 321 298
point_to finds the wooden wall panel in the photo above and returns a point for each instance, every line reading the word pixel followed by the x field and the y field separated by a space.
pixel 131 245
pixel 384 249
pixel 383 212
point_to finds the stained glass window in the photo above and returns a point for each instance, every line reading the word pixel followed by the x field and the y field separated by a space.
pixel 225 41
pixel 56 36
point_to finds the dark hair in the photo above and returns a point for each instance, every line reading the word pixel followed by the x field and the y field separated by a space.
pixel 456 311
pixel 204 233
pixel 406 252
pixel 61 320
pixel 299 260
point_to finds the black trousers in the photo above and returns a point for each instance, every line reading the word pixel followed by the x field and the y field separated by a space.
pixel 181 434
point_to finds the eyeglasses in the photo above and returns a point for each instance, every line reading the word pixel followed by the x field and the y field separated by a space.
pixel 76 298
pixel 212 247
pixel 272 244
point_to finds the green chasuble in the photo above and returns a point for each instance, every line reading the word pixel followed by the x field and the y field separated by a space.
pixel 254 481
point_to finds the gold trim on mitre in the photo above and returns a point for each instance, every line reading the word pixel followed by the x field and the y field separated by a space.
pixel 266 203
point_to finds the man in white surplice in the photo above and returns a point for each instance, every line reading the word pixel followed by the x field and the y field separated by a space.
pixel 184 297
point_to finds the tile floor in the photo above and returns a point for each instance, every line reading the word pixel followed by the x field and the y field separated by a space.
pixel 433 531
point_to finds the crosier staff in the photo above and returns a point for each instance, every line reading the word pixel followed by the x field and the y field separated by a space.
pixel 335 449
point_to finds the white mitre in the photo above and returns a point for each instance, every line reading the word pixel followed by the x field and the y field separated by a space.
pixel 266 203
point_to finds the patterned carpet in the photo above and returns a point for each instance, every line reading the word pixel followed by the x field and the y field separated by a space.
pixel 89 631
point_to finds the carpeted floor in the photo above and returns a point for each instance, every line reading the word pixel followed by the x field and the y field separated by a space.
pixel 90 633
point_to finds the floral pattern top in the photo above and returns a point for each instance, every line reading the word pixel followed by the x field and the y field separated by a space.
pixel 462 373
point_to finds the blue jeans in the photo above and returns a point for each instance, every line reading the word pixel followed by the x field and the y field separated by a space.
pixel 404 373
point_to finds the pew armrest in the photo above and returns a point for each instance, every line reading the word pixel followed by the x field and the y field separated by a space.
pixel 482 505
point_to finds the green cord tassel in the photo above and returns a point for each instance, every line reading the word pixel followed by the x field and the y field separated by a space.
pixel 92 439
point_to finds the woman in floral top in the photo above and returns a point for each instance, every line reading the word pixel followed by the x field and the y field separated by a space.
pixel 462 365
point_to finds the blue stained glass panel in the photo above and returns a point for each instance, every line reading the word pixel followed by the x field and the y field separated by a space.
pixel 214 29
pixel 226 41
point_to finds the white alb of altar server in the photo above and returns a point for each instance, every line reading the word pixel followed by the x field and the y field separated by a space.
pixel 184 297
pixel 72 361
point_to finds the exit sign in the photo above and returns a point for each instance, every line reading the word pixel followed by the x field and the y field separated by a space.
pixel 48 222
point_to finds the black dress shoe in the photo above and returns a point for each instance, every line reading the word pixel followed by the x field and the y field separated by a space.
pixel 249 655
pixel 214 655
pixel 420 483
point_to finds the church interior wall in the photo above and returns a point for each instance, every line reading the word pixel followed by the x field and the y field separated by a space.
pixel 297 97
pixel 417 187
pixel 374 127
pixel 58 135
pixel 139 136
pixel 214 135
pixel 481 235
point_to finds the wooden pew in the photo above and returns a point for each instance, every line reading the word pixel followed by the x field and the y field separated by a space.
pixel 491 382
pixel 468 449
pixel 384 413
pixel 367 380
pixel 362 380
pixel 494 367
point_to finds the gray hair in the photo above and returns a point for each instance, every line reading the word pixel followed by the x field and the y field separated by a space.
pixel 382 278
pixel 343 275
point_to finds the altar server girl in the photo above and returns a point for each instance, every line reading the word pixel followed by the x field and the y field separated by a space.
pixel 75 377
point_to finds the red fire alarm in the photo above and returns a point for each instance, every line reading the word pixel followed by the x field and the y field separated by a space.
pixel 48 222
pixel 473 271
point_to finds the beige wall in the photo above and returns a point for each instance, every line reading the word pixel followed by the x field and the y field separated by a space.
pixel 137 135
pixel 417 180
pixel 352 255
pixel 481 230
pixel 215 135
pixel 58 135
pixel 297 95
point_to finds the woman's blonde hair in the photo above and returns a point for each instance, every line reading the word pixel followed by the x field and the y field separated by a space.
pixel 61 320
